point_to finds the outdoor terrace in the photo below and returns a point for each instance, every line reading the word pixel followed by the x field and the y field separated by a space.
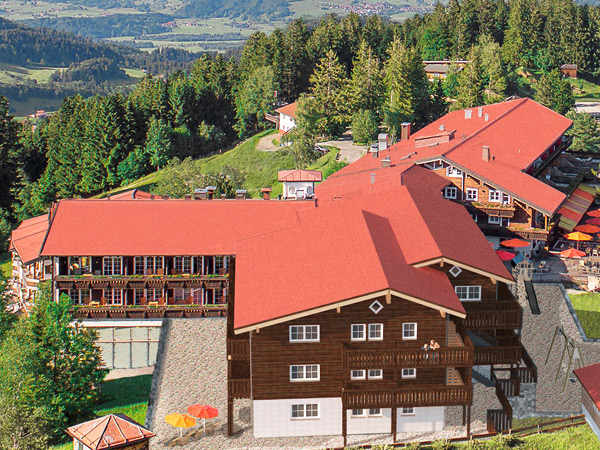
pixel 492 209
pixel 151 312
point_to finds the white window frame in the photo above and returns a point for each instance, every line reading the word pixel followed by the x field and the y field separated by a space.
pixel 468 293
pixel 302 411
pixel 375 412
pixel 472 198
pixel 364 332
pixel 451 192
pixel 453 172
pixel 302 372
pixel 301 330
pixel 495 220
pixel 495 196
pixel 184 263
pixel 376 328
pixel 407 411
pixel 112 260
pixel 405 329
pixel 360 374
pixel 356 414
pixel 377 375
pixel 505 199
pixel 434 165
pixel 411 373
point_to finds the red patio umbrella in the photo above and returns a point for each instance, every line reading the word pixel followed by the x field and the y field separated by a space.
pixel 594 221
pixel 587 228
pixel 515 243
pixel 594 213
pixel 203 412
pixel 504 255
pixel 572 253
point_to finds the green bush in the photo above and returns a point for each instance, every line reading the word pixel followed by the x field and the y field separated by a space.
pixel 364 127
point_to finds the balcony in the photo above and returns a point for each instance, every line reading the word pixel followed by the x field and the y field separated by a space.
pixel 148 312
pixel 493 318
pixel 140 281
pixel 537 234
pixel 492 209
pixel 239 388
pixel 238 349
pixel 427 395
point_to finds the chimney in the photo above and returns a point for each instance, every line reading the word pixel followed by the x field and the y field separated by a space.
pixel 151 196
pixel 266 193
pixel 386 162
pixel 200 194
pixel 468 113
pixel 486 153
pixel 375 152
pixel 240 194
pixel 372 178
pixel 382 141
pixel 487 117
pixel 223 196
pixel 188 196
pixel 210 192
pixel 480 111
pixel 108 196
pixel 442 127
pixel 165 197
pixel 405 131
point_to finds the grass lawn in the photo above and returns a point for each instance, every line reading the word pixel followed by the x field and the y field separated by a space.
pixel 126 396
pixel 5 265
pixel 584 90
pixel 587 307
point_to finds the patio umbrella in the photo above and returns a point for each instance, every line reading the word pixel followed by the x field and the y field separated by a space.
pixel 587 228
pixel 203 412
pixel 577 236
pixel 515 243
pixel 594 213
pixel 594 221
pixel 181 421
pixel 572 253
pixel 504 255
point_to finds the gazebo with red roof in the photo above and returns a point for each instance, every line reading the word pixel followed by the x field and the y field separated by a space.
pixel 110 432
pixel 299 183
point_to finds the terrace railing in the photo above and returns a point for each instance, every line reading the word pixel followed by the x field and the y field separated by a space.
pixel 403 397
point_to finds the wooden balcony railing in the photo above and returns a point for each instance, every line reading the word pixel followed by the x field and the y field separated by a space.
pixel 494 319
pixel 492 209
pixel 139 281
pixel 530 233
pixel 147 312
pixel 498 355
pixel 238 349
pixel 358 358
pixel 413 397
pixel 239 388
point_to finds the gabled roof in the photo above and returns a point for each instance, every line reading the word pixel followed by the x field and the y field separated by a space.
pixel 359 245
pixel 111 431
pixel 517 132
pixel 28 237
pixel 130 195
pixel 589 377
pixel 437 68
pixel 299 175
pixel 288 110
pixel 163 227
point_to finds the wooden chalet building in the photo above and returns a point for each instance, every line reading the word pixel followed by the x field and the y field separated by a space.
pixel 377 274
pixel 491 157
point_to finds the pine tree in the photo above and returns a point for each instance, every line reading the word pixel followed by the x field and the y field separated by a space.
pixel 366 83
pixel 470 83
pixel 10 156
pixel 254 98
pixel 158 146
pixel 555 92
pixel 585 132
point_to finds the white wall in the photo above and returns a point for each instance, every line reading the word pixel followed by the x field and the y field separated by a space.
pixel 286 123
pixel 370 425
pixel 299 186
pixel 425 419
pixel 589 419
pixel 272 418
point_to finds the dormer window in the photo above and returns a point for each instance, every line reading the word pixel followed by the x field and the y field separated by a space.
pixel 452 171
pixel 451 192
pixel 495 196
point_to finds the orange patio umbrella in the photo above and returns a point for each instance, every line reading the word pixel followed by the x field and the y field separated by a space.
pixel 203 412
pixel 515 243
pixel 572 253
pixel 594 221
pixel 181 421
pixel 587 228
pixel 594 213
pixel 578 236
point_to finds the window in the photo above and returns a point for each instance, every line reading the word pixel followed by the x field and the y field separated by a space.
pixel 358 413
pixel 409 331
pixel 305 411
pixel 468 293
pixel 408 411
pixel 305 373
pixel 437 164
pixel 304 333
pixel 79 296
pixel 409 373
pixel 154 295
pixel 376 307
pixel 451 192
pixel 455 271
pixel 139 265
pixel 182 264
pixel 221 262
pixel 138 294
pixel 505 199
pixel 495 220
pixel 376 332
pixel 154 264
pixel 358 375
pixel 472 194
pixel 375 374
pixel 358 332
pixel 80 264
pixel 113 296
pixel 112 265
pixel 495 196
pixel 453 172
pixel 375 412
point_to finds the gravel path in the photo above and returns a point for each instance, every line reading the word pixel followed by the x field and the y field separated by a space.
pixel 192 368
pixel 537 337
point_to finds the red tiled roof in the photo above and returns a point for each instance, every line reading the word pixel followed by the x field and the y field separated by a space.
pixel 589 377
pixel 28 237
pixel 111 431
pixel 159 227
pixel 299 175
pixel 131 194
pixel 380 230
pixel 518 132
pixel 288 110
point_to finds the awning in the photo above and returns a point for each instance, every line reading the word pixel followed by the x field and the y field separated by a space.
pixel 575 206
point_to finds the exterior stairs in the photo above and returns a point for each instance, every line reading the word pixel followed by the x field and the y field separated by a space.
pixel 453 378
pixel 454 339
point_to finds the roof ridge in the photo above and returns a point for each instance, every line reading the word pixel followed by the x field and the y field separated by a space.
pixel 84 436
pixel 114 418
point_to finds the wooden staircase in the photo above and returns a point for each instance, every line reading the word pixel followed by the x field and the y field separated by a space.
pixel 454 339
pixel 453 378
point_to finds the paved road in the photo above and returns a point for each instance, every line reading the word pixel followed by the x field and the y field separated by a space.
pixel 348 150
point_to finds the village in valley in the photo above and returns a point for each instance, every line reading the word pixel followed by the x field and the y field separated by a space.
pixel 352 233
